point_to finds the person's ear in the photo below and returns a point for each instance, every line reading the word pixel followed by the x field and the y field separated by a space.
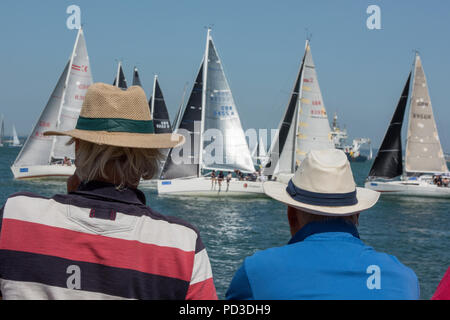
pixel 293 220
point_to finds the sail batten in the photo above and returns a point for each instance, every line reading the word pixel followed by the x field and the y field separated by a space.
pixel 222 115
pixel 423 148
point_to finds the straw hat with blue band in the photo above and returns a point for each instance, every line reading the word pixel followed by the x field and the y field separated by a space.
pixel 324 185
pixel 116 117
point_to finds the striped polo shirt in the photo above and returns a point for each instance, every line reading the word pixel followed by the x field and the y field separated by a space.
pixel 99 243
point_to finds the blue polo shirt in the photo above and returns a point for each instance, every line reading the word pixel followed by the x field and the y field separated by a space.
pixel 324 260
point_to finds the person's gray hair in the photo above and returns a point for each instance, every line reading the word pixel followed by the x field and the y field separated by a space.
pixel 127 165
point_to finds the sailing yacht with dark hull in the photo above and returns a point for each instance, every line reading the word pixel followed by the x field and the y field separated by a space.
pixel 424 158
pixel 210 108
pixel 43 156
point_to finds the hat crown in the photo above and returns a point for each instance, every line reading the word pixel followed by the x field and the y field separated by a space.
pixel 107 101
pixel 325 171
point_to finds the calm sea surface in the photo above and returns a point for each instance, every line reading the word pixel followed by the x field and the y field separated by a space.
pixel 415 230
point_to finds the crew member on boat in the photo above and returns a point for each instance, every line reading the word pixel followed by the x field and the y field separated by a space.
pixel 101 241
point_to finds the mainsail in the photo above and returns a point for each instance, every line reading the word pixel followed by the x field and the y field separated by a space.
pixel 210 114
pixel 61 111
pixel 183 161
pixel 227 147
pixel 77 82
pixel 313 131
pixel 158 110
pixel 423 148
pixel 304 126
pixel 388 163
pixel 136 79
pixel 120 80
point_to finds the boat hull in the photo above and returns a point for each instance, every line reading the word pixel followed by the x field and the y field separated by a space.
pixel 43 172
pixel 204 186
pixel 408 188
pixel 359 158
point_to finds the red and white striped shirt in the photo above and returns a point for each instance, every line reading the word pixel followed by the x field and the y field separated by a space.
pixel 99 243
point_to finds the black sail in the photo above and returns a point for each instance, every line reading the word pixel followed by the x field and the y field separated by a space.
pixel 136 79
pixel 388 162
pixel 161 120
pixel 179 165
pixel 122 80
pixel 283 132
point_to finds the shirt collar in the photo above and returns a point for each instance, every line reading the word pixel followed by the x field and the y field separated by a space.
pixel 109 191
pixel 323 227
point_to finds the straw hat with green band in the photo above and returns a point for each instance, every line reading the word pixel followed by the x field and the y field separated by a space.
pixel 117 117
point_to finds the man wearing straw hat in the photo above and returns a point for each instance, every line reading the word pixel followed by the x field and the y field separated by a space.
pixel 325 258
pixel 100 241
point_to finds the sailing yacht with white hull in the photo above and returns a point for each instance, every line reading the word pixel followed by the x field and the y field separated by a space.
pixel 215 139
pixel 42 156
pixel 424 158
pixel 303 128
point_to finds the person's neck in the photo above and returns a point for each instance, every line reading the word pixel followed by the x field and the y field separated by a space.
pixel 116 183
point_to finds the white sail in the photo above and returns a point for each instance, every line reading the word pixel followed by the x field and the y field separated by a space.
pixel 423 148
pixel 71 87
pixel 16 141
pixel 77 82
pixel 38 147
pixel 221 114
pixel 313 130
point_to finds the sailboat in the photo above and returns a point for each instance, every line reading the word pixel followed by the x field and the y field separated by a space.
pixel 304 126
pixel 424 158
pixel 161 121
pixel 43 156
pixel 120 80
pixel 215 139
pixel 157 105
pixel 15 141
pixel 2 131
pixel 136 78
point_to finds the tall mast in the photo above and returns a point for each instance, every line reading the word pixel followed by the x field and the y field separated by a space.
pixel 66 82
pixel 202 123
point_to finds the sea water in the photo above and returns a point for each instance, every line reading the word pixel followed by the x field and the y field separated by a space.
pixel 415 230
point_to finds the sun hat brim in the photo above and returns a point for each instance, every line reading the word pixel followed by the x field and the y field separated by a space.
pixel 366 199
pixel 124 139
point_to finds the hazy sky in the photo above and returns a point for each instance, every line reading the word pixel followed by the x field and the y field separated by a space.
pixel 361 72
